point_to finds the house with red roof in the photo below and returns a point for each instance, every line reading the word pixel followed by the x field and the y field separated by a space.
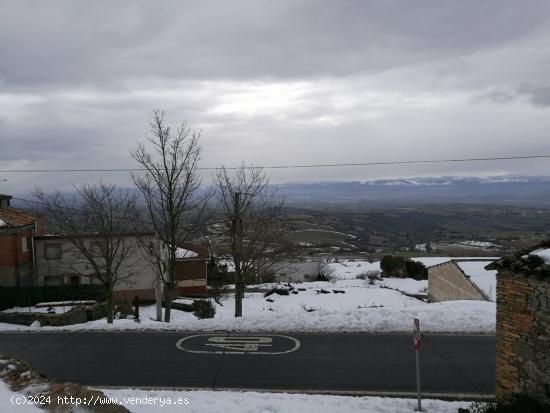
pixel 17 228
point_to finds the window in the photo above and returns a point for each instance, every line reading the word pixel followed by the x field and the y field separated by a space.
pixel 25 244
pixel 52 251
pixel 95 249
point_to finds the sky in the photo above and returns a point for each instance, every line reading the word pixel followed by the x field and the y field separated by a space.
pixel 275 83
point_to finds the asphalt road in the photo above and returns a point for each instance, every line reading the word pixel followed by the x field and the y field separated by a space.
pixel 383 363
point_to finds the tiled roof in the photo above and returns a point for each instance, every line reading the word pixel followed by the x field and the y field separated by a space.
pixel 201 250
pixel 14 217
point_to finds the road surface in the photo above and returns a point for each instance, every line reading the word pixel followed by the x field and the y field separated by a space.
pixel 331 363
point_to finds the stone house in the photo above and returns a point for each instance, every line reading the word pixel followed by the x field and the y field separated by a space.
pixel 17 228
pixel 523 323
pixel 59 262
pixel 461 279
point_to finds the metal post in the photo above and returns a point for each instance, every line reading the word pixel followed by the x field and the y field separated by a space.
pixel 419 407
pixel 417 348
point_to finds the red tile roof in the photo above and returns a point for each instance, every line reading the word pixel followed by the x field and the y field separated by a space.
pixel 14 217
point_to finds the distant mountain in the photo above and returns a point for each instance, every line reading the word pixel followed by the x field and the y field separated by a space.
pixel 501 190
pixel 527 191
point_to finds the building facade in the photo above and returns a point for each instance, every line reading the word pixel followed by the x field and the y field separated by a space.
pixel 523 324
pixel 17 228
pixel 461 279
pixel 59 262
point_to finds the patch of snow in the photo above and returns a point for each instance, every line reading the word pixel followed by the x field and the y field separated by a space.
pixel 420 247
pixel 543 253
pixel 347 270
pixel 35 309
pixel 480 244
pixel 182 253
pixel 407 285
pixel 431 261
pixel 207 401
pixel 6 401
pixel 65 303
pixel 486 280
pixel 36 388
pixel 35 324
pixel 2 223
pixel 326 230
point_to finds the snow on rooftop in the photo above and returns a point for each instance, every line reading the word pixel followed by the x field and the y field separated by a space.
pixel 2 223
pixel 429 261
pixel 486 280
pixel 543 253
pixel 184 253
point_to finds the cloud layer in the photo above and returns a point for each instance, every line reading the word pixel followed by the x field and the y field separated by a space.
pixel 275 83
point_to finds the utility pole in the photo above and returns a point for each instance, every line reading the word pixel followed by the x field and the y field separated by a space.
pixel 237 251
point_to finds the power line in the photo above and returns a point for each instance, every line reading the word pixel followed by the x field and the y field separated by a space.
pixel 297 166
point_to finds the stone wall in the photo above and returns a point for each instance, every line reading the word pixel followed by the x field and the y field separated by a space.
pixel 523 335
pixel 76 315
pixel 447 282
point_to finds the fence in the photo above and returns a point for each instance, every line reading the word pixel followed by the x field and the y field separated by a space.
pixel 28 296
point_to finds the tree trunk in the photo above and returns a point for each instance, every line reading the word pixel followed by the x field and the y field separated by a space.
pixel 167 303
pixel 239 291
pixel 110 305
pixel 158 299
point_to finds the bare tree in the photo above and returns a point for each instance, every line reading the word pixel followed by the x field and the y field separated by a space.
pixel 251 210
pixel 97 222
pixel 169 186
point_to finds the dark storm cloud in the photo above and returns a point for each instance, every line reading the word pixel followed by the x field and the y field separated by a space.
pixel 67 43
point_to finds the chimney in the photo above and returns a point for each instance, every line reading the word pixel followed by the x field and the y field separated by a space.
pixel 5 200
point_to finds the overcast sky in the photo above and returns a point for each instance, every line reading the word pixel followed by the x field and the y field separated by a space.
pixel 275 82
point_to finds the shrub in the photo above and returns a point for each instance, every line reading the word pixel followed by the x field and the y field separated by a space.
pixel 322 277
pixel 402 267
pixel 392 266
pixel 124 308
pixel 203 309
pixel 416 270
pixel 370 274
pixel 518 403
pixel 324 272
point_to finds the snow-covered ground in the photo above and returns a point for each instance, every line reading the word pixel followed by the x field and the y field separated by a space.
pixel 355 306
pixel 34 309
pixel 361 308
pixel 543 253
pixel 14 402
pixel 346 270
pixel 206 401
pixel 254 402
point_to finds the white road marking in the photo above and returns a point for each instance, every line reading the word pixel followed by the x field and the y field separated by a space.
pixel 238 344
